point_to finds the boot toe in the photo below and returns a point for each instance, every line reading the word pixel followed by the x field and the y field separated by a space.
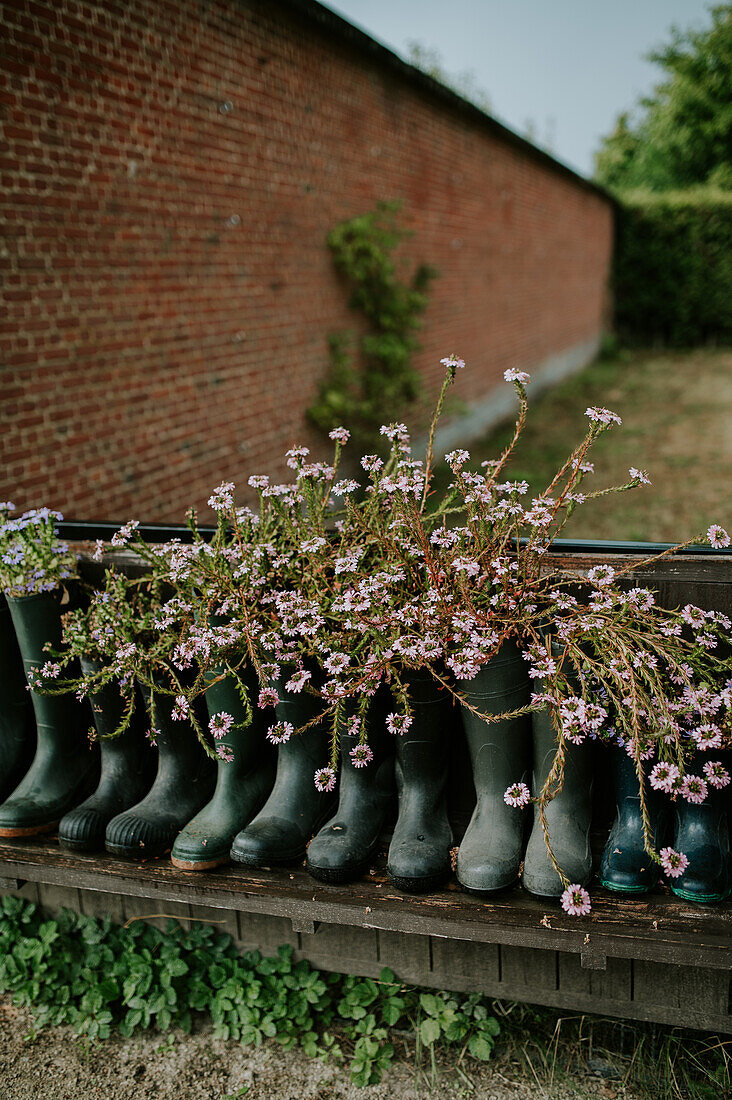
pixel 702 887
pixel 417 868
pixel 268 840
pixel 25 816
pixel 200 848
pixel 625 873
pixel 83 830
pixel 136 837
pixel 338 854
pixel 481 876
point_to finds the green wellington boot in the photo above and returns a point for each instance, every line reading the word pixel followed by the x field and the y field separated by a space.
pixel 65 767
pixel 242 784
pixel 183 784
pixel 419 853
pixel 500 752
pixel 296 808
pixel 17 725
pixel 128 769
pixel 343 848
pixel 701 832
pixel 626 867
pixel 568 815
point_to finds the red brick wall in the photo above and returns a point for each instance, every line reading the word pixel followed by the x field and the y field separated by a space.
pixel 170 169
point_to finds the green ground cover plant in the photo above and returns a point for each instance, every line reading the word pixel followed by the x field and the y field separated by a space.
pixel 100 977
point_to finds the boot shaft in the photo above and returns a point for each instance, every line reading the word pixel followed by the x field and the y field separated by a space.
pixel 37 621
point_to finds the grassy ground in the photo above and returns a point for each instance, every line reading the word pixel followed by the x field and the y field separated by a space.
pixel 677 424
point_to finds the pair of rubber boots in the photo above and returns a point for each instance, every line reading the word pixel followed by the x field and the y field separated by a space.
pixel 701 832
pixel 49 770
pixel 415 763
pixel 179 798
pixel 501 753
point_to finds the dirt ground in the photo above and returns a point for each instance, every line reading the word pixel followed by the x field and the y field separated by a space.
pixel 56 1065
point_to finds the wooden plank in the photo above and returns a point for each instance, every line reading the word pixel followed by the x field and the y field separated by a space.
pixel 220 919
pixel 94 904
pixel 410 957
pixel 138 908
pixel 526 972
pixel 698 992
pixel 352 950
pixel 658 927
pixel 259 932
pixel 474 966
pixel 53 898
pixel 615 982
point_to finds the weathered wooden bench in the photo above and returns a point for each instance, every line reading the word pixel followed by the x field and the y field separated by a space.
pixel 655 958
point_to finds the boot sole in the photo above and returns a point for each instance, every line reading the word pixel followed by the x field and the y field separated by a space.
pixel 337 875
pixel 136 854
pixel 635 890
pixel 480 892
pixel 198 864
pixel 267 861
pixel 34 830
pixel 81 845
pixel 418 885
pixel 701 899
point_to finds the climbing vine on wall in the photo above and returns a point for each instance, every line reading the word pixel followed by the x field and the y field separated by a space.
pixel 372 378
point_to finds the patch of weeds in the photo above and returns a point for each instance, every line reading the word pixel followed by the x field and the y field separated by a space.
pixel 100 977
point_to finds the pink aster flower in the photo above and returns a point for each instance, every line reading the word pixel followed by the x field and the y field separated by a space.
pixel 220 724
pixel 222 497
pixel 280 733
pixel 224 753
pixel 361 755
pixel 694 789
pixel 180 711
pixel 718 537
pixel 517 795
pixel 50 670
pixel 325 778
pixel 398 723
pixel 716 774
pixel 664 777
pixel 297 682
pixel 674 863
pixel 601 575
pixel 576 901
pixel 603 416
pixel 520 376
pixel 453 363
pixel 639 475
pixel 268 697
pixel 339 435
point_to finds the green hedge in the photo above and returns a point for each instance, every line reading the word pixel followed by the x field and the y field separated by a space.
pixel 673 268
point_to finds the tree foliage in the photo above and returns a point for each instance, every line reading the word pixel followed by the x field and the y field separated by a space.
pixel 681 136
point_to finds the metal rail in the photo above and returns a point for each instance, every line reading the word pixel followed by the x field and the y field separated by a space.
pixel 90 530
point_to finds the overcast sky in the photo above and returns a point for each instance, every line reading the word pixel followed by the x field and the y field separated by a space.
pixel 568 67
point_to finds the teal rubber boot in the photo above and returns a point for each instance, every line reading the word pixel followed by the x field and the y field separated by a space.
pixel 242 783
pixel 701 832
pixel 17 724
pixel 65 766
pixel 626 867
pixel 500 752
pixel 295 809
pixel 183 785
pixel 128 769
pixel 568 815
pixel 367 794
pixel 419 853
